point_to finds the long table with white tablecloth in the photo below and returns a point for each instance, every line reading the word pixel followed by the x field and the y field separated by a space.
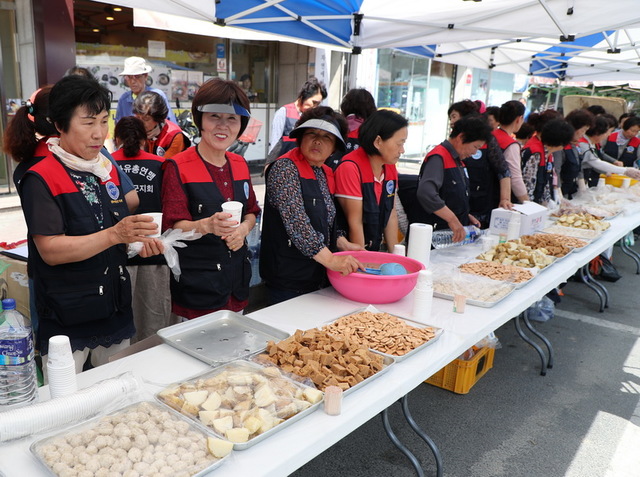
pixel 300 442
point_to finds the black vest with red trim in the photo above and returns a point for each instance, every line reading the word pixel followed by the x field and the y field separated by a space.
pixel 504 138
pixel 544 168
pixel 570 170
pixel 352 145
pixel 210 271
pixel 454 190
pixel 292 117
pixel 145 171
pixel 163 142
pixel 629 153
pixel 91 297
pixel 375 216
pixel 282 265
pixel 484 193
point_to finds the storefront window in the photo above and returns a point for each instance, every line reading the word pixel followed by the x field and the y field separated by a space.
pixel 251 69
pixel 500 86
pixel 418 88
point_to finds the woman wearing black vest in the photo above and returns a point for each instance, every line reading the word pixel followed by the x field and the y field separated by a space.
pixel 215 268
pixel 624 145
pixel 298 231
pixel 367 181
pixel 149 276
pixel 568 161
pixel 78 223
pixel 443 187
pixel 164 137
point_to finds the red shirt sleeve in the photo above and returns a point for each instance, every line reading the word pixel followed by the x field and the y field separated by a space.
pixel 175 206
pixel 348 183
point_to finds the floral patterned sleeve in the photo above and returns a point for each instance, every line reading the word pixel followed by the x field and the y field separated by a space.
pixel 285 194
pixel 497 160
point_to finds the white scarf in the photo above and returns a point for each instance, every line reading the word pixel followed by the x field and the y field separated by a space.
pixel 100 166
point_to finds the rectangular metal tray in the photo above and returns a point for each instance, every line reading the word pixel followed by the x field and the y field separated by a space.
pixel 221 337
pixel 415 324
pixel 34 448
pixel 482 304
pixel 534 271
pixel 258 438
pixel 387 361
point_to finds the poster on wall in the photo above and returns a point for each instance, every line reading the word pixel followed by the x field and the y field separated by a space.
pixel 108 76
pixel 195 79
pixel 180 85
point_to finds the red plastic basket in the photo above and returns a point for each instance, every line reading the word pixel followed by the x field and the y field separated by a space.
pixel 251 133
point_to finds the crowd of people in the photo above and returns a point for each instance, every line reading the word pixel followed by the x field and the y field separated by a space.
pixel 331 185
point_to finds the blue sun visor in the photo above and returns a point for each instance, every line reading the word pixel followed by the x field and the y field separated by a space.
pixel 229 108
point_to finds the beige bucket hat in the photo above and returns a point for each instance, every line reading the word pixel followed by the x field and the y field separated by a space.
pixel 134 65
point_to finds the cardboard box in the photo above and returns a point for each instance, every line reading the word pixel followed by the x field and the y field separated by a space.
pixel 14 283
pixel 532 218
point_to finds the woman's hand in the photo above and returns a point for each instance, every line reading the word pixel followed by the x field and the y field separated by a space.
pixel 345 264
pixel 458 230
pixel 153 247
pixel 505 204
pixel 134 228
pixel 345 246
pixel 235 240
pixel 217 224
pixel 632 172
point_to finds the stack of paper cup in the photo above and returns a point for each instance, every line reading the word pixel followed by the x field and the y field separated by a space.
pixel 399 249
pixel 423 297
pixel 626 182
pixel 235 209
pixel 61 369
pixel 601 182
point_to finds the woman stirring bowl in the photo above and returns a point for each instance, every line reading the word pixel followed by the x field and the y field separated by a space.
pixel 299 234
pixel 215 268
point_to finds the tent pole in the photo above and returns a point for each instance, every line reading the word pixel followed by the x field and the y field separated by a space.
pixel 486 98
pixel 557 103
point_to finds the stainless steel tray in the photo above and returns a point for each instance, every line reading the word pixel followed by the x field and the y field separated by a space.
pixel 221 337
pixel 415 324
pixel 242 366
pixel 482 304
pixel 37 447
pixel 387 361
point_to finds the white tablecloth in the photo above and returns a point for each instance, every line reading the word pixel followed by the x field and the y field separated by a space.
pixel 295 445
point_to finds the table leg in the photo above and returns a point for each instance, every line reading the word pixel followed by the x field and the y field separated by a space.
pixel 631 253
pixel 542 338
pixel 416 428
pixel 543 358
pixel 396 442
pixel 602 288
pixel 584 277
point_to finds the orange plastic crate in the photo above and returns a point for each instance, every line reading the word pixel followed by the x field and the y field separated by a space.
pixel 459 376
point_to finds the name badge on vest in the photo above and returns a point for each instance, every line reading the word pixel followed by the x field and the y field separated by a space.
pixel 477 155
pixel 549 166
pixel 630 148
pixel 160 152
pixel 246 190
pixel 112 190
pixel 390 187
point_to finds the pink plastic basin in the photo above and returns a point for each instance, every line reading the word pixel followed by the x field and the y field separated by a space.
pixel 374 289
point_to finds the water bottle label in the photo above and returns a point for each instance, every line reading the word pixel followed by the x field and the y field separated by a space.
pixel 17 351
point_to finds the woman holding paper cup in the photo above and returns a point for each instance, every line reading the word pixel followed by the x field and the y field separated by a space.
pixel 197 185
pixel 149 276
pixel 78 223
pixel 367 181
pixel 299 234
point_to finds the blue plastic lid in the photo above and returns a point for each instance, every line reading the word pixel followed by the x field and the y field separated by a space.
pixel 8 304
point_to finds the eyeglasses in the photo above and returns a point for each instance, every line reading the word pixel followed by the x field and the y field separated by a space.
pixel 326 138
pixel 137 77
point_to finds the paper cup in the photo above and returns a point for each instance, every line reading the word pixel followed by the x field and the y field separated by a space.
pixel 626 182
pixel 235 209
pixel 157 219
pixel 59 354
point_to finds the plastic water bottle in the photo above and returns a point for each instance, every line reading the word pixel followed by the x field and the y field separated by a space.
pixel 18 380
pixel 444 238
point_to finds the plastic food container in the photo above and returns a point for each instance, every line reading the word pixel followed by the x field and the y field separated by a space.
pixel 375 289
pixel 615 180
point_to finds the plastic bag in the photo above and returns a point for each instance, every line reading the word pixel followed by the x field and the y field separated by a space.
pixel 171 239
pixel 542 310
pixel 602 267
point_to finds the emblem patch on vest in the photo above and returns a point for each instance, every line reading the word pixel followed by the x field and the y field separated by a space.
pixel 630 148
pixel 477 155
pixel 390 187
pixel 160 152
pixel 112 190
pixel 246 190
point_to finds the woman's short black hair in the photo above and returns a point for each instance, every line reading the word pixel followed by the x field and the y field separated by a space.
pixel 79 71
pixel 538 120
pixel 358 101
pixel 600 126
pixel 525 132
pixel 130 132
pixel 326 113
pixel 580 118
pixel 557 132
pixel 463 108
pixel 310 88
pixel 76 91
pixel 219 91
pixel 596 109
pixel 152 104
pixel 630 122
pixel 492 111
pixel 613 122
pixel 473 127
pixel 383 123
pixel 510 111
